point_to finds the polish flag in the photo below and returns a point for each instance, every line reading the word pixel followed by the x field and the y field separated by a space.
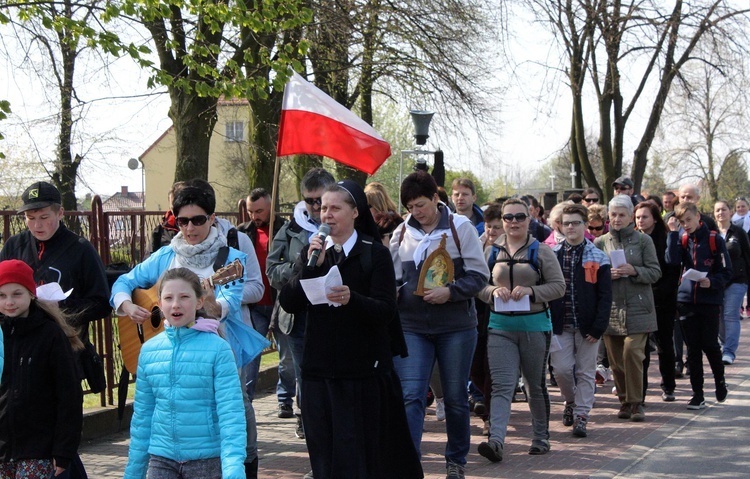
pixel 314 123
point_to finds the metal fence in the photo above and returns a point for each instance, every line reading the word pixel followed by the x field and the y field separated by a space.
pixel 118 237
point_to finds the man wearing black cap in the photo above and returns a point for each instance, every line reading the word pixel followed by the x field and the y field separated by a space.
pixel 624 186
pixel 57 255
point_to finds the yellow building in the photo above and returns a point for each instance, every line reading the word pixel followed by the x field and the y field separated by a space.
pixel 228 156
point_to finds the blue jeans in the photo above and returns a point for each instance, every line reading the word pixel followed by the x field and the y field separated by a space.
pixel 290 357
pixel 453 352
pixel 163 468
pixel 729 328
pixel 261 318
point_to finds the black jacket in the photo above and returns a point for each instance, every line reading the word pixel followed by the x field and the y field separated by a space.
pixel 698 256
pixel 353 340
pixel 75 264
pixel 40 394
pixel 738 247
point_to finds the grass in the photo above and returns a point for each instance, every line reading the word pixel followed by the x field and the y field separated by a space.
pixel 92 400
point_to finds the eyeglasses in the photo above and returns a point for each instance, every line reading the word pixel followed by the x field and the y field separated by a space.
pixel 572 223
pixel 591 200
pixel 596 228
pixel 199 220
pixel 622 188
pixel 519 217
pixel 313 201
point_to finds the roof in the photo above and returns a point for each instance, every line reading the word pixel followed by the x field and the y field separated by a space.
pixel 123 202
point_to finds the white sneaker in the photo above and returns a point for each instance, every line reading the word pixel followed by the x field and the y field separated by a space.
pixel 440 409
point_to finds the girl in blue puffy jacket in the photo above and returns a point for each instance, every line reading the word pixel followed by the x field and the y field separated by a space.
pixel 188 417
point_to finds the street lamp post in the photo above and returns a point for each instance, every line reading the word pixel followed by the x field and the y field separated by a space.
pixel 133 164
pixel 421 120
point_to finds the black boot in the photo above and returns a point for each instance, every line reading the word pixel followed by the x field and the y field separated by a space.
pixel 251 469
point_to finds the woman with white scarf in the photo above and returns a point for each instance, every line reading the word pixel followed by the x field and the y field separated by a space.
pixel 197 247
pixel 441 325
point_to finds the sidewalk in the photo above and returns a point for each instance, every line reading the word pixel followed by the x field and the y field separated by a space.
pixel 672 442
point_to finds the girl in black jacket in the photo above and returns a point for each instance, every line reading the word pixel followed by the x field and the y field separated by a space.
pixel 738 247
pixel 40 394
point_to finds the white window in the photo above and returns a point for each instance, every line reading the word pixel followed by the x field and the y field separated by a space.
pixel 235 131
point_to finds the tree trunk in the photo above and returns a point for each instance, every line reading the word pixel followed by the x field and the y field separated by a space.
pixel 264 131
pixel 194 119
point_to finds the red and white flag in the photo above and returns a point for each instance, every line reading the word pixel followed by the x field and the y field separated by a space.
pixel 314 123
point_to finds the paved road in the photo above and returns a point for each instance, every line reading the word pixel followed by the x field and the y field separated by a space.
pixel 673 442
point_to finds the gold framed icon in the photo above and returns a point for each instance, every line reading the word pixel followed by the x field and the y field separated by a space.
pixel 437 269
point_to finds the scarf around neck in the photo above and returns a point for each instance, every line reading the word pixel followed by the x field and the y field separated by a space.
pixel 425 239
pixel 201 255
pixel 302 218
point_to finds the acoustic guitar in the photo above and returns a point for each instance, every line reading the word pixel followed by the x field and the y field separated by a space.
pixel 133 335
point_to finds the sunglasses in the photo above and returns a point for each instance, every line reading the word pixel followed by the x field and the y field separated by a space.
pixel 591 200
pixel 572 223
pixel 622 188
pixel 199 220
pixel 596 228
pixel 518 217
pixel 314 201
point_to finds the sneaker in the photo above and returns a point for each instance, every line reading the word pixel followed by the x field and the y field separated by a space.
pixel 721 391
pixel 479 408
pixel 625 411
pixel 440 409
pixel 299 431
pixel 579 429
pixel 637 414
pixel 667 396
pixel 285 411
pixel 492 450
pixel 678 372
pixel 696 403
pixel 486 428
pixel 309 475
pixel 568 414
pixel 727 359
pixel 454 471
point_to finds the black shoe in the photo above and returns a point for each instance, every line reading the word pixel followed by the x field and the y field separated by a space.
pixel 479 408
pixel 721 391
pixel 285 411
pixel 492 450
pixel 678 372
pixel 299 430
pixel 696 403
pixel 431 398
pixel 579 429
pixel 568 414
pixel 552 381
pixel 251 469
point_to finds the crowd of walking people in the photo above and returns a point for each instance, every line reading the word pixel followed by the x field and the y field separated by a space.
pixel 375 314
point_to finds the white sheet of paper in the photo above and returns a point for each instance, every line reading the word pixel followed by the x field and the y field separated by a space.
pixel 316 289
pixel 522 304
pixel 694 275
pixel 617 257
pixel 52 292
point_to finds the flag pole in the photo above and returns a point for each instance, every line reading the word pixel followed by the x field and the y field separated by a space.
pixel 274 196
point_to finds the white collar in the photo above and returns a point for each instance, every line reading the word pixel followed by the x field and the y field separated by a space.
pixel 348 244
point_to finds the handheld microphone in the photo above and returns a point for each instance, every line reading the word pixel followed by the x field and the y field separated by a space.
pixel 323 232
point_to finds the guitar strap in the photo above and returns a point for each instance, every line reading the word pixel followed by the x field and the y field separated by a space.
pixel 221 258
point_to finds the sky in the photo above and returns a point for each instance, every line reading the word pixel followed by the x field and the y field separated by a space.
pixel 121 118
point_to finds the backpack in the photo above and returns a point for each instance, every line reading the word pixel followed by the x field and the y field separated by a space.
pixel 532 258
pixel 711 242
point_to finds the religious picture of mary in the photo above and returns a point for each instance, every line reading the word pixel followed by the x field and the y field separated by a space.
pixel 437 270
pixel 437 274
